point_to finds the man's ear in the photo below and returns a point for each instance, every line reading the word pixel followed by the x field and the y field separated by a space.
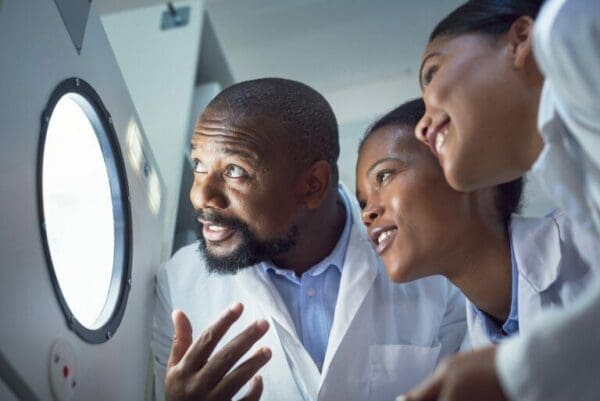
pixel 316 184
pixel 520 37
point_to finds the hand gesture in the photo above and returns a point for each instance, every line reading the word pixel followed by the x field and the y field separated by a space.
pixel 193 374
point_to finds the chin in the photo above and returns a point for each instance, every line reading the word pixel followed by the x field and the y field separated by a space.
pixel 400 273
pixel 458 180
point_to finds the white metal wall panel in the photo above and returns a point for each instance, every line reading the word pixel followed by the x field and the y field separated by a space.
pixel 37 54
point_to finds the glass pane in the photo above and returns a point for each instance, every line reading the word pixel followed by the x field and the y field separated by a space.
pixel 78 210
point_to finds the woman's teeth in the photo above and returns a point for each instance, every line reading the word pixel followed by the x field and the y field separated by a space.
pixel 439 140
pixel 383 236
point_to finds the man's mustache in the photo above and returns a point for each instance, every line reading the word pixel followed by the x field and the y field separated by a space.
pixel 216 218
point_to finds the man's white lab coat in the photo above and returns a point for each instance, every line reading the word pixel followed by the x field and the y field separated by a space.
pixel 385 337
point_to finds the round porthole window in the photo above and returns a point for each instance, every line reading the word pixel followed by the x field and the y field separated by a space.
pixel 84 210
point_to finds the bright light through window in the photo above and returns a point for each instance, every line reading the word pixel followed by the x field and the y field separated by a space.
pixel 78 210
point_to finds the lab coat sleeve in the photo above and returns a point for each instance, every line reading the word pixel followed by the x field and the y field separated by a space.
pixel 454 325
pixel 162 333
pixel 559 358
pixel 566 37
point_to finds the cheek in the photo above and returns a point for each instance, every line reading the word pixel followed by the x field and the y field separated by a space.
pixel 267 212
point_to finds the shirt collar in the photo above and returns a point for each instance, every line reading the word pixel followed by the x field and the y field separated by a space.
pixel 336 258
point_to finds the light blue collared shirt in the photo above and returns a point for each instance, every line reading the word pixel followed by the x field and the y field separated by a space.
pixel 311 298
pixel 493 331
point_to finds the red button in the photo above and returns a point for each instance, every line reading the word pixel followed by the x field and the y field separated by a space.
pixel 65 371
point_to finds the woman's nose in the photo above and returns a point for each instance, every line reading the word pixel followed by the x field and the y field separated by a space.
pixel 422 128
pixel 370 213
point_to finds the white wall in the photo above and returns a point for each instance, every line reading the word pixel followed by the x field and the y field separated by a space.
pixel 38 54
pixel 159 68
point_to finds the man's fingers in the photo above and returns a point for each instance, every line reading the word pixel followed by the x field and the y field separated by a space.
pixel 220 363
pixel 182 337
pixel 203 347
pixel 236 379
pixel 255 391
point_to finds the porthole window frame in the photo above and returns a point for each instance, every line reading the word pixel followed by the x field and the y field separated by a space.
pixel 120 282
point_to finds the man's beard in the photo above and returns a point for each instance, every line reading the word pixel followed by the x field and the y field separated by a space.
pixel 249 252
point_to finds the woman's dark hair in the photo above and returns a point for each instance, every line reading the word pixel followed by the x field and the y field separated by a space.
pixel 406 115
pixel 508 195
pixel 491 17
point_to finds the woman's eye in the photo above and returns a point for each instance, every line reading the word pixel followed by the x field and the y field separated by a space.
pixel 428 75
pixel 382 176
pixel 234 171
pixel 199 167
pixel 362 204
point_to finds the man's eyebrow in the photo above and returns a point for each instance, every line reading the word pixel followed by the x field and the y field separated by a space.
pixel 251 156
pixel 242 153
pixel 430 55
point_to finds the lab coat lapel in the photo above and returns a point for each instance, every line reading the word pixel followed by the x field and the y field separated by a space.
pixel 256 285
pixel 358 275
pixel 536 243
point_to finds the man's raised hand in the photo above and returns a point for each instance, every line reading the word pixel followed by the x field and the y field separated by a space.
pixel 193 374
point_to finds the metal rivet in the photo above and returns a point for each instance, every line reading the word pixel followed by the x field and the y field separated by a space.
pixel 56 359
pixel 129 281
pixel 73 383
pixel 108 335
pixel 77 79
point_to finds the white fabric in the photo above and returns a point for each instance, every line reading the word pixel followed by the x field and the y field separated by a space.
pixel 385 338
pixel 552 271
pixel 560 358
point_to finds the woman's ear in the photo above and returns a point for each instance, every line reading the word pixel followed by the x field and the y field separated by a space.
pixel 520 36
pixel 316 184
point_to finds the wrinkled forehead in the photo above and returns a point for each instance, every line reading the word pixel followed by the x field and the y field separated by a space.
pixel 257 132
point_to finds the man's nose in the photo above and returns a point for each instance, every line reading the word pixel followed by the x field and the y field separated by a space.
pixel 207 192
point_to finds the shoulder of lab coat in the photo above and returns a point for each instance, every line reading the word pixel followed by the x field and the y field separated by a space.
pixel 552 270
pixel 559 359
pixel 162 331
pixel 569 112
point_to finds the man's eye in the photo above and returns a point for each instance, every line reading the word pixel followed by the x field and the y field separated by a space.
pixel 234 171
pixel 362 204
pixel 199 167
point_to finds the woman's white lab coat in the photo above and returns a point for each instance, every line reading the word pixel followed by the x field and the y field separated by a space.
pixel 385 337
pixel 552 271
pixel 559 359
